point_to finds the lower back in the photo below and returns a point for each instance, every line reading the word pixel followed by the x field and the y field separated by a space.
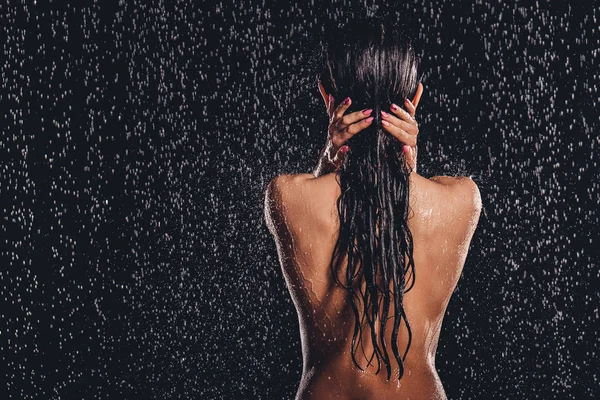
pixel 331 381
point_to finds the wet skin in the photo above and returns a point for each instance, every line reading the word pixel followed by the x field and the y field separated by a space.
pixel 301 213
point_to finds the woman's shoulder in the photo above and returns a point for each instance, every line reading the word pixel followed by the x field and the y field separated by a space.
pixel 458 194
pixel 458 189
pixel 462 191
pixel 293 185
pixel 286 190
pixel 457 200
pixel 294 201
pixel 286 186
pixel 296 194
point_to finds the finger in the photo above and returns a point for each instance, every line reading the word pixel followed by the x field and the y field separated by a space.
pixel 339 156
pixel 354 117
pixel 402 114
pixel 410 107
pixel 409 127
pixel 341 108
pixel 417 97
pixel 410 156
pixel 353 129
pixel 330 106
pixel 400 134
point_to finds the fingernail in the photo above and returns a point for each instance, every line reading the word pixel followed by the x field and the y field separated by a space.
pixel 367 111
pixel 407 101
pixel 347 100
pixel 345 149
pixel 330 98
pixel 384 113
pixel 385 122
pixel 369 119
pixel 406 149
pixel 394 107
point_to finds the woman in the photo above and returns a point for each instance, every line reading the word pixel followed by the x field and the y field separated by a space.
pixel 370 250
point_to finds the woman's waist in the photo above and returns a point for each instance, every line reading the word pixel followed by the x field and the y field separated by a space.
pixel 338 378
pixel 335 349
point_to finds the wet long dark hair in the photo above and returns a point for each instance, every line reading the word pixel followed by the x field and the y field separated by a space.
pixel 373 62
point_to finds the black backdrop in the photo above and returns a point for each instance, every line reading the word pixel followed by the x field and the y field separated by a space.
pixel 137 140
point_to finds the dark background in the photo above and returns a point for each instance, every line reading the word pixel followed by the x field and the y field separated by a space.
pixel 137 139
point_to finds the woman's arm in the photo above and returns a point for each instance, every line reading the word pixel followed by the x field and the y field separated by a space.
pixel 326 163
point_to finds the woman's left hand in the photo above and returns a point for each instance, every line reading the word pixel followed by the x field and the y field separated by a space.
pixel 341 129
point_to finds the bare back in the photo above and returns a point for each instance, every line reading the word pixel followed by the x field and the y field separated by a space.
pixel 301 212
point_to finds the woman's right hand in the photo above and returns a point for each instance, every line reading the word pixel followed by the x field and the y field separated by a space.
pixel 404 127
